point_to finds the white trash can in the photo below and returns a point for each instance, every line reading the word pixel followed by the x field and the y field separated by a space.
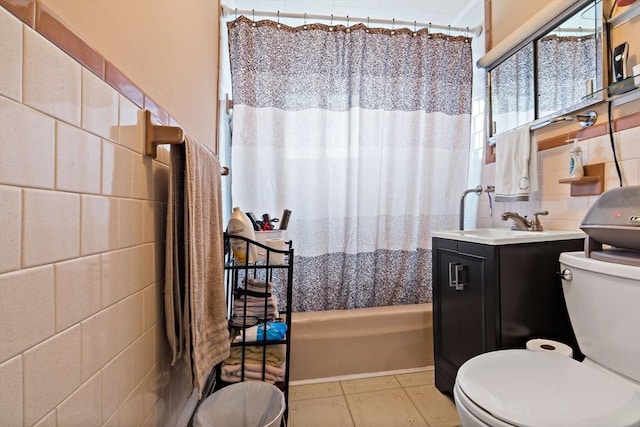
pixel 246 404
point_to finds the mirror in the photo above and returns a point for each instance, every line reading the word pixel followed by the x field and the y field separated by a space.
pixel 558 71
pixel 511 88
pixel 569 62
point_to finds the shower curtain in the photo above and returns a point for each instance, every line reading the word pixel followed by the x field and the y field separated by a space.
pixel 364 135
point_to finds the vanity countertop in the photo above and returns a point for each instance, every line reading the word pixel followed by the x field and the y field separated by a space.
pixel 505 236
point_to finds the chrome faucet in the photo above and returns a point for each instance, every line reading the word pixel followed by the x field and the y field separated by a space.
pixel 522 223
pixel 478 191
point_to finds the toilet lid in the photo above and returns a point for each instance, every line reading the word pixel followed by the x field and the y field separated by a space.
pixel 532 389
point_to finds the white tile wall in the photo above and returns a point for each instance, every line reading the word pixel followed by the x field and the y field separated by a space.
pixel 99 224
pixel 27 308
pixel 117 170
pixel 51 373
pixel 78 159
pixel 10 228
pixel 99 107
pixel 78 290
pixel 55 92
pixel 84 406
pixel 26 135
pixel 82 229
pixel 51 227
pixel 11 391
pixel 10 56
pixel 100 340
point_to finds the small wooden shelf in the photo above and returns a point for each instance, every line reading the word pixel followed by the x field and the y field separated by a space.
pixel 578 181
pixel 591 184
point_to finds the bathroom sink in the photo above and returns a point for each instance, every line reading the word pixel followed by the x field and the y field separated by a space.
pixel 505 236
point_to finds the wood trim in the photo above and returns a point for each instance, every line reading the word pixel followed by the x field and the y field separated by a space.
pixel 619 124
pixel 487 26
pixel 24 10
pixel 122 84
pixel 160 113
pixel 59 34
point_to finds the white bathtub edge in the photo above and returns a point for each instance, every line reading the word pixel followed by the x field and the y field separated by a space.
pixel 360 376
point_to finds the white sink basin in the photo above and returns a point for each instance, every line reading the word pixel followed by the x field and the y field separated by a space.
pixel 505 236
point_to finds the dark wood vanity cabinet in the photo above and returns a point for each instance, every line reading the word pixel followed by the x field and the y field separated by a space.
pixel 489 297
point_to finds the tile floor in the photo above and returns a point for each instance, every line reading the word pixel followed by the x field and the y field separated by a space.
pixel 407 399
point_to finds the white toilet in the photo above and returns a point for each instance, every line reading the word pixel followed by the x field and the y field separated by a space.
pixel 537 389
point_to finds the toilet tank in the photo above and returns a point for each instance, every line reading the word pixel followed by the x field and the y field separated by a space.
pixel 603 301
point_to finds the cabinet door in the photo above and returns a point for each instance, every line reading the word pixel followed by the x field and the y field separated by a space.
pixel 460 318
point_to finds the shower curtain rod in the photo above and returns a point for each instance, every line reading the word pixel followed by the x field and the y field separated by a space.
pixel 472 31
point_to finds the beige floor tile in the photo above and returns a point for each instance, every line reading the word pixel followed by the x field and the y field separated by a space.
pixel 416 378
pixel 314 391
pixel 323 412
pixel 369 384
pixel 436 408
pixel 385 408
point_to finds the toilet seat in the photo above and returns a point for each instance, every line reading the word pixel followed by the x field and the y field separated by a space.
pixel 533 389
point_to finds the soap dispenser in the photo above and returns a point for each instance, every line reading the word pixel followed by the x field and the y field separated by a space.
pixel 575 162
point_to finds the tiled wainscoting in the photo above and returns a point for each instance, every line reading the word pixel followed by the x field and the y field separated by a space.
pixel 81 228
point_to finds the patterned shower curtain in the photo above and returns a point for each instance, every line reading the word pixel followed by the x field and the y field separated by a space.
pixel 364 135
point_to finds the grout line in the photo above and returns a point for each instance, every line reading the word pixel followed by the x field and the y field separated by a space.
pixel 360 376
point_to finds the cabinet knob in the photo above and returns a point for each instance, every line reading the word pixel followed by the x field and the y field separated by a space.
pixel 455 280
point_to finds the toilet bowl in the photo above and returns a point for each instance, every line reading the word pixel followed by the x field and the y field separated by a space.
pixel 525 388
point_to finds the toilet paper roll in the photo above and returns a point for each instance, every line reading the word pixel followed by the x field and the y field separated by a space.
pixel 550 346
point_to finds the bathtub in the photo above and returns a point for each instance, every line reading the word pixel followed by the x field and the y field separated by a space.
pixel 347 342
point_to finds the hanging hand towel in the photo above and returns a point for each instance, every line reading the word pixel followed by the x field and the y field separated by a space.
pixel 516 165
pixel 195 305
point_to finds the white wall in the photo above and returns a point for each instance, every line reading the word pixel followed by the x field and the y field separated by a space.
pixel 168 48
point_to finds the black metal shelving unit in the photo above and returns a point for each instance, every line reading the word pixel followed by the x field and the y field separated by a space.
pixel 281 277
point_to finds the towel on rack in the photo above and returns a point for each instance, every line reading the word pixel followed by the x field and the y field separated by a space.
pixel 516 165
pixel 252 371
pixel 256 307
pixel 195 305
pixel 275 355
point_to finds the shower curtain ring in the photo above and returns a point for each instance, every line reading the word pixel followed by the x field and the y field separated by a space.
pixel 305 21
pixel 393 26
pixel 348 24
pixel 415 32
pixel 279 26
pixel 253 14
